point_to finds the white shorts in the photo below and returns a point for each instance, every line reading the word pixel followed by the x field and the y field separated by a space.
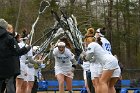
pixel 65 72
pixel 117 72
pixel 22 70
pixel 95 69
pixel 111 63
pixel 86 67
pixel 84 74
pixel 30 74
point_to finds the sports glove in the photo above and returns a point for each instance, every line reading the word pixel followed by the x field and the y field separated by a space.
pixel 30 65
pixel 32 61
pixel 92 60
pixel 82 55
pixel 73 68
pixel 52 45
pixel 27 61
pixel 80 61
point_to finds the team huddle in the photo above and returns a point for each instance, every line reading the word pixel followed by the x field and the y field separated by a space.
pixel 96 57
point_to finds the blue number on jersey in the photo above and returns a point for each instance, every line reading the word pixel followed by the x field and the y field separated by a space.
pixel 108 47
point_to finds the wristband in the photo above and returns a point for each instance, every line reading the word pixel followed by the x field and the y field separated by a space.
pixel 74 66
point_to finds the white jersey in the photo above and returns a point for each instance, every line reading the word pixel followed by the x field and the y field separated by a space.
pixel 62 60
pixel 106 45
pixel 24 57
pixel 101 56
pixel 23 67
pixel 86 66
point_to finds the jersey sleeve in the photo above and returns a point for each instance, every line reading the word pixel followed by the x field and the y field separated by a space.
pixel 55 51
pixel 70 54
pixel 90 48
pixel 30 53
pixel 106 45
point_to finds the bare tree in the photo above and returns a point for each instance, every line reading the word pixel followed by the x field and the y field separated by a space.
pixel 109 20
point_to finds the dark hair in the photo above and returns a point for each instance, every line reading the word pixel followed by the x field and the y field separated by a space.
pixel 103 30
pixel 98 40
pixel 66 41
pixel 24 33
pixel 17 37
pixel 121 67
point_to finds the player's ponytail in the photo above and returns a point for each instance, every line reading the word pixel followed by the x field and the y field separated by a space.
pixel 98 40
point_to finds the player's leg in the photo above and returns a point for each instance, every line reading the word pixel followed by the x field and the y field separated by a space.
pixel 103 81
pixel 113 80
pixel 60 78
pixel 68 83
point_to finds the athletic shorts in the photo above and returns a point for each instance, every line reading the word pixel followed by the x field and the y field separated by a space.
pixel 30 74
pixel 117 72
pixel 111 63
pixel 22 71
pixel 95 69
pixel 65 72
pixel 84 74
pixel 86 67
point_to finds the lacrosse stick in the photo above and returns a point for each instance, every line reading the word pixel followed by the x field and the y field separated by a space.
pixel 69 22
pixel 63 25
pixel 46 44
pixel 43 5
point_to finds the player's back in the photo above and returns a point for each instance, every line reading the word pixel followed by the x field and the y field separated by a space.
pixel 106 45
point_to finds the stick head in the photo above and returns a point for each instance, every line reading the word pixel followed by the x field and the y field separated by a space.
pixel 43 5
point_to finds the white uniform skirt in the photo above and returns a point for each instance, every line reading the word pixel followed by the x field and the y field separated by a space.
pixel 108 62
pixel 22 70
pixel 86 67
pixel 111 63
pixel 95 69
pixel 30 74
pixel 65 71
pixel 117 72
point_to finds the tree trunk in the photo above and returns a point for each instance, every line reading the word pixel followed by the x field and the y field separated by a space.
pixel 118 31
pixel 109 20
